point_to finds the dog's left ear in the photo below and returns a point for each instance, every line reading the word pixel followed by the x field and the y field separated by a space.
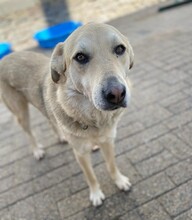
pixel 57 64
pixel 130 51
pixel 131 56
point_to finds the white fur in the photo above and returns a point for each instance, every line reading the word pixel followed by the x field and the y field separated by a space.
pixel 97 197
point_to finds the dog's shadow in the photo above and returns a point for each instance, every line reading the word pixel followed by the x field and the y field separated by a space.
pixel 113 207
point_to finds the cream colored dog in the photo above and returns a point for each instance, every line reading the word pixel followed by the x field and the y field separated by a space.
pixel 82 90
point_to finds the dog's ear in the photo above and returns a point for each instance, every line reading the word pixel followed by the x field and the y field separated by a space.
pixel 130 51
pixel 131 57
pixel 57 64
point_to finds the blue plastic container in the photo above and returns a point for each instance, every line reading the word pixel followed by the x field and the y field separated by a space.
pixel 5 48
pixel 49 37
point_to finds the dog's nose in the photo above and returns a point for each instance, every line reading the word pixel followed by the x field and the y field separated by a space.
pixel 115 94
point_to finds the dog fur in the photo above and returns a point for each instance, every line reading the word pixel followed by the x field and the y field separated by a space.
pixel 70 94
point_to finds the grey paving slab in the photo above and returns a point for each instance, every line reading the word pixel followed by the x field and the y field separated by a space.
pixel 113 207
pixel 176 146
pixel 178 200
pixel 153 147
pixel 181 172
pixel 5 215
pixel 184 133
pixel 145 151
pixel 133 215
pixel 74 204
pixel 178 120
pixel 158 183
pixel 146 136
pixel 159 161
pixel 185 216
pixel 181 106
pixel 175 98
pixel 45 207
pixel 153 211
pixel 24 209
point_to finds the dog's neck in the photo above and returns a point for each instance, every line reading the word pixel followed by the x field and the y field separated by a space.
pixel 81 116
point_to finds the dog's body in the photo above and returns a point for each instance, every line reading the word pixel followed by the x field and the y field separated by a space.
pixel 81 91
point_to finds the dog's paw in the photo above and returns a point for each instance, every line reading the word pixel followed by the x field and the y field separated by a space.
pixel 123 183
pixel 39 153
pixel 97 197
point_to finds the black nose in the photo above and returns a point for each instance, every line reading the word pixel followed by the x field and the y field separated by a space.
pixel 115 94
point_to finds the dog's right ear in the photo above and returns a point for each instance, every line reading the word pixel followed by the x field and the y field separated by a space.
pixel 58 65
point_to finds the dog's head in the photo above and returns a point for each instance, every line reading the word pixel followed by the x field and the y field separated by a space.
pixel 96 60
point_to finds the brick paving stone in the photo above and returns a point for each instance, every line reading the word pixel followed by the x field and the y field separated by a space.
pixel 5 215
pixel 158 183
pixel 141 138
pixel 175 75
pixel 6 183
pixel 185 216
pixel 74 204
pixel 24 209
pixel 184 133
pixel 3 201
pixel 181 172
pixel 133 215
pixel 23 170
pixel 153 114
pixel 188 91
pixel 112 208
pixel 145 151
pixel 18 193
pixel 128 170
pixel 156 92
pixel 51 178
pixel 175 98
pixel 177 121
pixel 145 117
pixel 60 190
pixel 178 200
pixel 45 207
pixel 181 106
pixel 5 172
pixel 155 163
pixel 79 215
pixel 177 147
pixel 129 130
pixel 153 211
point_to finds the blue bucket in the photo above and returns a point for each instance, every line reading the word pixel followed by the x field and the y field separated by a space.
pixel 49 37
pixel 5 48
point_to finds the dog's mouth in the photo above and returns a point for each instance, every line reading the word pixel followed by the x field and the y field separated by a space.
pixel 112 107
pixel 103 105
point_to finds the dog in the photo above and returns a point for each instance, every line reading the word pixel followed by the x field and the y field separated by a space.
pixel 83 89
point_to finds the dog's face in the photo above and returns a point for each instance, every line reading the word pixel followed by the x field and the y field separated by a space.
pixel 96 59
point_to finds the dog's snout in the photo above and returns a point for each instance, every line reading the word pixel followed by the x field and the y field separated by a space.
pixel 115 94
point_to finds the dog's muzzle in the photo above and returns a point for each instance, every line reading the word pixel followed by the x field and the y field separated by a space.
pixel 113 94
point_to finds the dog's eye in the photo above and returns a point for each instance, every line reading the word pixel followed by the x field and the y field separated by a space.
pixel 120 49
pixel 81 58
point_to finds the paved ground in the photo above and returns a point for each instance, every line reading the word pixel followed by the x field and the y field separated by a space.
pixel 154 143
pixel 19 22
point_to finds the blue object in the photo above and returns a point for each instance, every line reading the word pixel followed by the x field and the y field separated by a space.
pixel 49 37
pixel 5 48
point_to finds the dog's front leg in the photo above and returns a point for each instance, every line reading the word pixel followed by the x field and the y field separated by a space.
pixel 120 180
pixel 96 195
